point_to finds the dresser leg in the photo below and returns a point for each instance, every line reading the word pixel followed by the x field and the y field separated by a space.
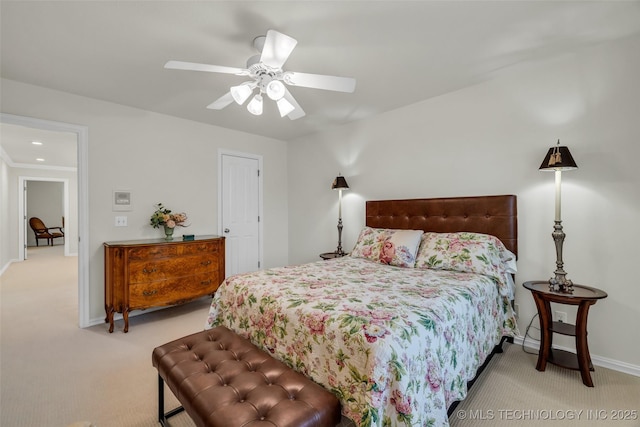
pixel 125 316
pixel 109 318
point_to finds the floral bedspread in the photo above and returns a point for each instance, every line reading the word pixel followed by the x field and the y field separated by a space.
pixel 396 345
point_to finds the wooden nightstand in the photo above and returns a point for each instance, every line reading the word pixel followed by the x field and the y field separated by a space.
pixel 331 255
pixel 582 296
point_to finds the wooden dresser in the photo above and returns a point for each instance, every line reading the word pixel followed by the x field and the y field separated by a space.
pixel 140 274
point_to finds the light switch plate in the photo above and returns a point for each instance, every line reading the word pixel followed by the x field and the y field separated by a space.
pixel 121 221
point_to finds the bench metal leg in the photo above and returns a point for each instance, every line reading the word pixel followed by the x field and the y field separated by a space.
pixel 162 416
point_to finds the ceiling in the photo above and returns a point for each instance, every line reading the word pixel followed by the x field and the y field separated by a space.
pixel 400 52
pixel 55 149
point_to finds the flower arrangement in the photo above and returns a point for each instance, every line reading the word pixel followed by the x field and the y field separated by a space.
pixel 163 217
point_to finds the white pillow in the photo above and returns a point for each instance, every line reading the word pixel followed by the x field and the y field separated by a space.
pixel 401 247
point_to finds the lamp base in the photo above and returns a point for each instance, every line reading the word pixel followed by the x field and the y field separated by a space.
pixel 559 283
pixel 339 250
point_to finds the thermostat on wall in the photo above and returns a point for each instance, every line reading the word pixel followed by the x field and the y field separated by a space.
pixel 122 200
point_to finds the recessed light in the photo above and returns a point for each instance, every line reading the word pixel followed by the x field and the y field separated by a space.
pixel 40 160
pixel 36 142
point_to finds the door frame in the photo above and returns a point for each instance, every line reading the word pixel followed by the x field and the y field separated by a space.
pixel 221 153
pixel 82 139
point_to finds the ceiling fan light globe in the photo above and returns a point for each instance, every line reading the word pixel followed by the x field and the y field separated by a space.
pixel 241 93
pixel 275 90
pixel 255 106
pixel 284 107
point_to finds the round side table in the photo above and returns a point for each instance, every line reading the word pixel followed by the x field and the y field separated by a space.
pixel 331 255
pixel 582 296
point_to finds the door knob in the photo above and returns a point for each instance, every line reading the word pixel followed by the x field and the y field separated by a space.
pixel 226 230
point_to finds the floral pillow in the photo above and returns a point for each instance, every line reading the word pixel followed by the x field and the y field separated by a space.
pixel 369 243
pixel 393 247
pixel 466 252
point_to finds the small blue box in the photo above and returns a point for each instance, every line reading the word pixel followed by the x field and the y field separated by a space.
pixel 188 237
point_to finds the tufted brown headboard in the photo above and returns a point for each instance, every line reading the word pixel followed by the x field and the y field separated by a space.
pixel 495 215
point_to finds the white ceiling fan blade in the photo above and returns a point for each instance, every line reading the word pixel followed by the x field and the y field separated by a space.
pixel 318 81
pixel 298 111
pixel 277 48
pixel 221 102
pixel 192 66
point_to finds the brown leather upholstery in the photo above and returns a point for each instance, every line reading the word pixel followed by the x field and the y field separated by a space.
pixel 495 215
pixel 222 380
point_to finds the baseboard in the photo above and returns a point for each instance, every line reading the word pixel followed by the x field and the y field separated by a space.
pixel 605 362
pixel 6 266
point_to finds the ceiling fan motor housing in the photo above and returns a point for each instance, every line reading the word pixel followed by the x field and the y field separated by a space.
pixel 263 74
pixel 258 43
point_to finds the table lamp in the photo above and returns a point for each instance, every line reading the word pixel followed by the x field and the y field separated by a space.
pixel 339 184
pixel 559 159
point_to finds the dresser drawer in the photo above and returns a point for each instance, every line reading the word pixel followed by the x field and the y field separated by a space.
pixel 199 248
pixel 152 252
pixel 147 271
pixel 172 291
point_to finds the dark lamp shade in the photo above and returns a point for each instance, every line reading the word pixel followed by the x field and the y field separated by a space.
pixel 558 159
pixel 340 183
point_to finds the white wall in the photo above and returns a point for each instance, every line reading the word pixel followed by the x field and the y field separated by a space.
pixel 5 247
pixel 491 139
pixel 159 159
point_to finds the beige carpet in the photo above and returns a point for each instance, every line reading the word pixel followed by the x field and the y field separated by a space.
pixel 511 392
pixel 54 374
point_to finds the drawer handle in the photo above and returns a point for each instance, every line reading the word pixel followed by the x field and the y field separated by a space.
pixel 207 262
pixel 153 270
pixel 205 282
pixel 149 293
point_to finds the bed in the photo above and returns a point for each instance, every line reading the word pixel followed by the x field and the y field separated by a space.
pixel 397 329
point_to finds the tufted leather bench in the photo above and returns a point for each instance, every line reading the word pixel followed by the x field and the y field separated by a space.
pixel 222 380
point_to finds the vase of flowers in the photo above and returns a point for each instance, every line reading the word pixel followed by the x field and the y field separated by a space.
pixel 168 232
pixel 168 220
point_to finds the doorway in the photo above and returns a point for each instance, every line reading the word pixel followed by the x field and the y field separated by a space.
pixel 82 236
pixel 47 199
pixel 240 210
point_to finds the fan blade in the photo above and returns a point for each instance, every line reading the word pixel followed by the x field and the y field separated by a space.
pixel 277 48
pixel 192 66
pixel 221 102
pixel 298 111
pixel 318 81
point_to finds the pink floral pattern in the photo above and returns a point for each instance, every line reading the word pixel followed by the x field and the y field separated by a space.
pixel 386 246
pixel 396 345
pixel 468 253
pixel 387 252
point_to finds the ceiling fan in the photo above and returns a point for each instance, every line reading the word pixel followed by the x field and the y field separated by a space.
pixel 265 70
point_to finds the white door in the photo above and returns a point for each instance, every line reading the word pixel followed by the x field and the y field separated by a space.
pixel 240 212
pixel 25 221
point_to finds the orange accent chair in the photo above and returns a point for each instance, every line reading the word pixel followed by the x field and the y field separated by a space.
pixel 43 232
